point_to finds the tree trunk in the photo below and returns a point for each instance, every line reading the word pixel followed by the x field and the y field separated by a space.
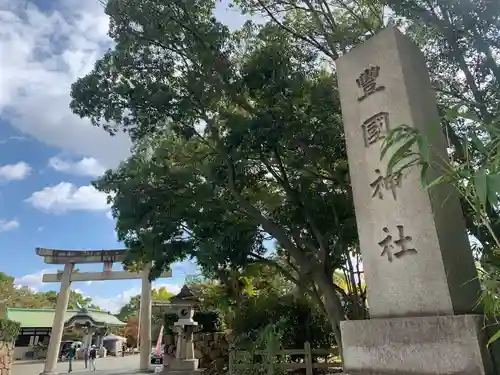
pixel 332 303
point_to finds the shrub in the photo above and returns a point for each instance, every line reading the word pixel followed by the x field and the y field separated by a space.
pixel 209 321
pixel 9 330
pixel 268 339
pixel 299 319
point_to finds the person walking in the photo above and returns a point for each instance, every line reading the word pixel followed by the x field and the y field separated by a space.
pixel 71 357
pixel 86 356
pixel 92 357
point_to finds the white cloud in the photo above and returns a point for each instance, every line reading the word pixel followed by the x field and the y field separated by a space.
pixel 42 52
pixel 85 167
pixel 66 197
pixel 33 280
pixel 115 303
pixel 13 138
pixel 6 226
pixel 15 172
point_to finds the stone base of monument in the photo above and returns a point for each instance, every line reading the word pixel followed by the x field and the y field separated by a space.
pixel 198 371
pixel 182 367
pixel 438 345
pixel 183 364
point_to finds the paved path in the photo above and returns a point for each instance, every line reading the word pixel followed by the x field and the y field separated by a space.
pixel 105 366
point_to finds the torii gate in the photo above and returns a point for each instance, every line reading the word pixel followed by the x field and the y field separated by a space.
pixel 71 257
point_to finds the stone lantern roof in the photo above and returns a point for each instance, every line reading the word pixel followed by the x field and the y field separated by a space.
pixel 186 295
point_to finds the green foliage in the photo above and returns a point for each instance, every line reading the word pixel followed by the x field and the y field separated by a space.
pixel 209 321
pixel 459 40
pixel 161 294
pixel 476 177
pixel 169 321
pixel 9 330
pixel 231 291
pixel 268 339
pixel 131 308
pixel 238 135
pixel 238 140
pixel 299 321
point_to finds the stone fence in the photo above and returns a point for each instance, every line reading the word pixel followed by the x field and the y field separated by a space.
pixel 212 349
pixel 6 354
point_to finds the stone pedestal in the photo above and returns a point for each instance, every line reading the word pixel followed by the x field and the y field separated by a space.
pixel 182 367
pixel 184 362
pixel 416 346
pixel 182 372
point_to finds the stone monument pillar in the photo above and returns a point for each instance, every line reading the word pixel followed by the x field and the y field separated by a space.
pixel 184 362
pixel 145 321
pixel 58 324
pixel 422 282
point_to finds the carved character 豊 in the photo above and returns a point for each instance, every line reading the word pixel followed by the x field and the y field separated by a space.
pixel 367 81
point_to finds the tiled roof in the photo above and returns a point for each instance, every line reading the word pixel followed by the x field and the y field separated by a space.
pixel 186 294
pixel 43 318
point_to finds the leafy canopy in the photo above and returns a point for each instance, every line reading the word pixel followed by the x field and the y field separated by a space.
pixel 238 142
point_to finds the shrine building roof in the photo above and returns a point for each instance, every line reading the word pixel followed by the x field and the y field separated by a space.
pixel 43 318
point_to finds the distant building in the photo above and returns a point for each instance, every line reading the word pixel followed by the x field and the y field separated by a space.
pixel 36 325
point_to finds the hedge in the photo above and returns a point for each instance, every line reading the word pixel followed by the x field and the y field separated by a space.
pixel 9 330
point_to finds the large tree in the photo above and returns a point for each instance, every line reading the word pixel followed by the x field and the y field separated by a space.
pixel 238 140
pixel 460 42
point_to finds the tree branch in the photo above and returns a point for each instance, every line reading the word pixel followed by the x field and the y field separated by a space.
pixel 311 41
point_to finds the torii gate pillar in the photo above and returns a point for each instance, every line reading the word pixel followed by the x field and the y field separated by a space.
pixel 59 318
pixel 145 321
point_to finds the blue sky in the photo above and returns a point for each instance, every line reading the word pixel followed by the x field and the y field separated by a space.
pixel 48 155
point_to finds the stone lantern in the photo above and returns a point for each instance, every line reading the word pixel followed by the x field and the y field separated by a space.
pixel 184 362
